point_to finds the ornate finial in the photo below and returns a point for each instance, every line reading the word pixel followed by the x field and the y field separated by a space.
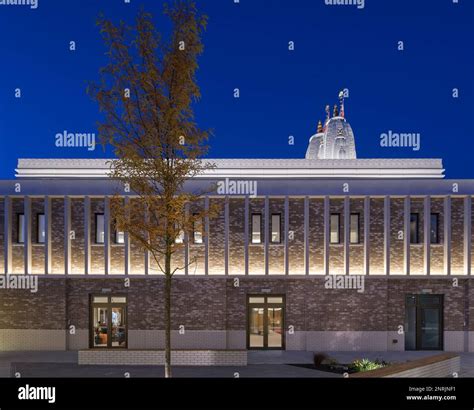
pixel 320 127
pixel 335 113
pixel 328 115
pixel 341 100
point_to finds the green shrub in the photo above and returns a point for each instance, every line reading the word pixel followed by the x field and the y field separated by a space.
pixel 364 365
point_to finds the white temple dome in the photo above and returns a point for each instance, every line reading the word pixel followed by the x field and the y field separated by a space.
pixel 333 141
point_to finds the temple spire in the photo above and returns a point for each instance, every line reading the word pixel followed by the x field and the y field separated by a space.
pixel 334 138
pixel 328 114
pixel 341 100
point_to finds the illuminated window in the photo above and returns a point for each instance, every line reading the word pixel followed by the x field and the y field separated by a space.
pixel 197 230
pixel 180 237
pixel 414 228
pixel 276 228
pixel 355 228
pixel 41 229
pixel 335 226
pixel 434 228
pixel 20 228
pixel 256 228
pixel 99 228
pixel 119 237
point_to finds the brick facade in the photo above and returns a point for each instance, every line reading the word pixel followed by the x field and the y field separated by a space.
pixel 208 306
pixel 236 247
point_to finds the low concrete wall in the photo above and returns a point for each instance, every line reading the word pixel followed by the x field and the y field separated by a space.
pixel 329 341
pixel 345 341
pixel 157 357
pixel 191 339
pixel 454 341
pixel 32 339
pixel 155 340
pixel 442 365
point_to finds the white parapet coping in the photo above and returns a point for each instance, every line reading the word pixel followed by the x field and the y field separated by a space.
pixel 250 168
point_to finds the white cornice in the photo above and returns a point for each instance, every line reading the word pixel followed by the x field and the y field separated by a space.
pixel 251 168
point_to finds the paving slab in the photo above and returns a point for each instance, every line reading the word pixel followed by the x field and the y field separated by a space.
pixel 261 364
pixel 73 370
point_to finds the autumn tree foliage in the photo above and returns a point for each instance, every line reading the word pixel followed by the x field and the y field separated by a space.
pixel 146 94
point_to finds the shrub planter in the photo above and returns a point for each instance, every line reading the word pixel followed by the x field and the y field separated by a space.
pixel 442 365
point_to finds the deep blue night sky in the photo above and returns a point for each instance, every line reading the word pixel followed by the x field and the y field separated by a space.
pixel 282 92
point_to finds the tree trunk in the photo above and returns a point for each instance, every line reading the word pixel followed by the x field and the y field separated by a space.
pixel 168 278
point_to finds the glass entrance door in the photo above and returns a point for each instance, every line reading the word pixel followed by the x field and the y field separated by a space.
pixel 256 327
pixel 118 329
pixel 100 325
pixel 265 322
pixel 274 327
pixel 108 321
pixel 424 322
pixel 430 335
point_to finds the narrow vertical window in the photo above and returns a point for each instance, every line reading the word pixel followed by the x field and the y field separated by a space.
pixel 434 228
pixel 335 226
pixel 256 228
pixel 355 228
pixel 119 237
pixel 41 228
pixel 99 228
pixel 197 230
pixel 180 237
pixel 20 228
pixel 414 228
pixel 276 228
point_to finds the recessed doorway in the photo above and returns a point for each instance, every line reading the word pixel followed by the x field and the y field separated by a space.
pixel 266 318
pixel 424 322
pixel 108 321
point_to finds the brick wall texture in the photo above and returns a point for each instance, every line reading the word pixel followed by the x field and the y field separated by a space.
pixel 212 302
pixel 256 252
pixel 218 304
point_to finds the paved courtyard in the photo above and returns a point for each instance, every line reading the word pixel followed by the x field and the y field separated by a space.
pixel 261 364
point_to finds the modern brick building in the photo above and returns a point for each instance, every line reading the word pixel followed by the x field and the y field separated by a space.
pixel 329 252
